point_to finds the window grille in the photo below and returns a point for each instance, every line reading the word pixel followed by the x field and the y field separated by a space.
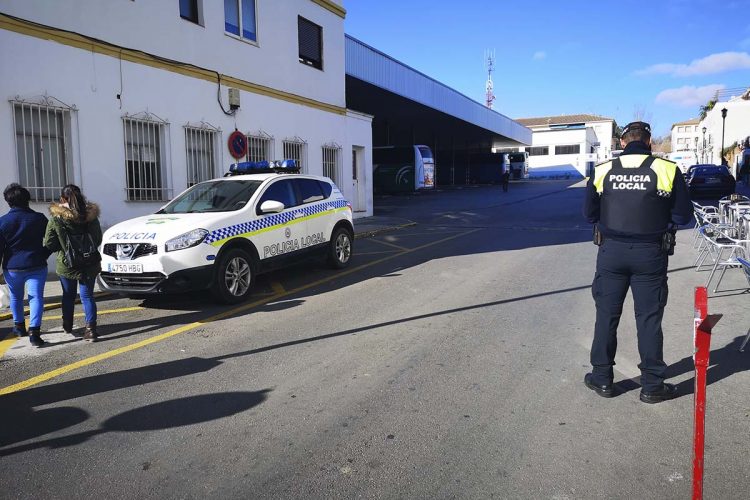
pixel 296 149
pixel 43 143
pixel 331 161
pixel 538 151
pixel 200 152
pixel 569 149
pixel 259 147
pixel 310 40
pixel 144 157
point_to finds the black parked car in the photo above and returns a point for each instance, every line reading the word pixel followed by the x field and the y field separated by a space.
pixel 709 181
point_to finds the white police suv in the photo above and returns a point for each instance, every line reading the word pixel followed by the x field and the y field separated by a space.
pixel 220 234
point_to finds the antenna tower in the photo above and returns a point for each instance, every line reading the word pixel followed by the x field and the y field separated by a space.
pixel 489 63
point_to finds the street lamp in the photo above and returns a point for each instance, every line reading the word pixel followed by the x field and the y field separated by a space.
pixel 703 152
pixel 696 149
pixel 723 120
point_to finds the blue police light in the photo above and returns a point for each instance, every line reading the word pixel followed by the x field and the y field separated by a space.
pixel 257 167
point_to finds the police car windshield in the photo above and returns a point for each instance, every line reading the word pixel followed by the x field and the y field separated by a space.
pixel 214 196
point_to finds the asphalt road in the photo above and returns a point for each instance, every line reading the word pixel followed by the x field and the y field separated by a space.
pixel 446 362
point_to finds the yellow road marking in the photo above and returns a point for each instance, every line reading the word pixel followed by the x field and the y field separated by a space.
pixel 51 305
pixel 7 344
pixel 185 328
pixel 277 287
pixel 390 244
pixel 106 311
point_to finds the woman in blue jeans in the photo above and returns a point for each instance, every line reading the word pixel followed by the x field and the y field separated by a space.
pixel 24 260
pixel 72 216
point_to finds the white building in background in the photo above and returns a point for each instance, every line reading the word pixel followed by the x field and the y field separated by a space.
pixel 568 145
pixel 736 126
pixel 686 135
pixel 131 100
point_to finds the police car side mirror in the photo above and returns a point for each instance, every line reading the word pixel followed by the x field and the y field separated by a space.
pixel 271 207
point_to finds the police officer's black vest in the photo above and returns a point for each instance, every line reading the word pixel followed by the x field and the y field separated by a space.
pixel 630 201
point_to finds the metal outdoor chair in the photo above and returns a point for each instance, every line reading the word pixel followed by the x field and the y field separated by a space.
pixel 723 251
pixel 746 269
pixel 703 214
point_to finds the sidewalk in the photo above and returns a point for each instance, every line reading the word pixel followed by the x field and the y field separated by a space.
pixel 364 227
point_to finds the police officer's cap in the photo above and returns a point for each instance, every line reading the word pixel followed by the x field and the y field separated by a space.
pixel 637 126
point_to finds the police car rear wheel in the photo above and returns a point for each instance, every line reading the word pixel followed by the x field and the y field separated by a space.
pixel 340 250
pixel 234 276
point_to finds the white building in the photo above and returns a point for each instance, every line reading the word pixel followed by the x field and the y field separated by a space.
pixel 686 135
pixel 736 125
pixel 130 100
pixel 568 145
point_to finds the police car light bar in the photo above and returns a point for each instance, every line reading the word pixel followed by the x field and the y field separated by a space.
pixel 259 167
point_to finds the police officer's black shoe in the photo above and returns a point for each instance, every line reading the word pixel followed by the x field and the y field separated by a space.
pixel 605 391
pixel 667 391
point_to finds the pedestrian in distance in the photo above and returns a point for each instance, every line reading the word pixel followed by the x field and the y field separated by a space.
pixel 635 202
pixel 75 234
pixel 24 261
pixel 504 176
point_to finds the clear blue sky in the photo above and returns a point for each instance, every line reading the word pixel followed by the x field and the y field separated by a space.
pixel 660 59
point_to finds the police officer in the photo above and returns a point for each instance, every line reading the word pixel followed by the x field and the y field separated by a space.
pixel 635 202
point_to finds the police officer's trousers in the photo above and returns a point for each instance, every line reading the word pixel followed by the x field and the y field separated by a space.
pixel 643 268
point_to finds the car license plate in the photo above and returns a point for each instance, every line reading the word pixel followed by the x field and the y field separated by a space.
pixel 129 268
pixel 713 180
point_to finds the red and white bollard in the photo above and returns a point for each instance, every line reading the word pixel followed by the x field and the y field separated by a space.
pixel 702 342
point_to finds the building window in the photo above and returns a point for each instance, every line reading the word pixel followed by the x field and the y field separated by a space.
pixel 331 161
pixel 42 146
pixel 310 37
pixel 259 147
pixel 190 10
pixel 571 149
pixel 239 18
pixel 144 162
pixel 295 149
pixel 200 153
pixel 538 151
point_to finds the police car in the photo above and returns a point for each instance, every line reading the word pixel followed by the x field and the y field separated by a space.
pixel 220 234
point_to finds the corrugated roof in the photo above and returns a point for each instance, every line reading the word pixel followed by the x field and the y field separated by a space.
pixel 692 121
pixel 377 68
pixel 561 120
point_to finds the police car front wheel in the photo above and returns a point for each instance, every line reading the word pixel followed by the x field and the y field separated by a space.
pixel 234 276
pixel 340 250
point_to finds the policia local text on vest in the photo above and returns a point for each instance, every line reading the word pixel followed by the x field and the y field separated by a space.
pixel 635 202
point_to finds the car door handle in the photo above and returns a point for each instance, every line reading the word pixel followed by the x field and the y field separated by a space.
pixel 297 215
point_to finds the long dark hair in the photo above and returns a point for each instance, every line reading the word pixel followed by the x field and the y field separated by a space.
pixel 72 195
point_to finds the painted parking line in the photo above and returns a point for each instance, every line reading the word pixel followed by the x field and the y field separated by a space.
pixel 399 247
pixel 51 305
pixel 99 312
pixel 197 324
pixel 7 343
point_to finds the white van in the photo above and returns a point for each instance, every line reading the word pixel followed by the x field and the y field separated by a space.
pixel 683 159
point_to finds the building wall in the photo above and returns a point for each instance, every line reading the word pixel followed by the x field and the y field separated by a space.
pixel 736 127
pixel 595 136
pixel 90 82
pixel 156 27
pixel 684 137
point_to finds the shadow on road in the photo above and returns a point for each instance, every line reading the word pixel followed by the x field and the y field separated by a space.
pixel 163 415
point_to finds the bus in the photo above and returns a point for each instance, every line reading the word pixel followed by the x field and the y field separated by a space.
pixel 402 168
pixel 519 165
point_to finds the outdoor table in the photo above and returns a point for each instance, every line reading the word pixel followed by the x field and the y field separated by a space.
pixel 735 211
pixel 723 204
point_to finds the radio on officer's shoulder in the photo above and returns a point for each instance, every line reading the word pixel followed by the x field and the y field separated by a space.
pixel 598 238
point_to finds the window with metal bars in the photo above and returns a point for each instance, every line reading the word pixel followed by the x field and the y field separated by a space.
pixel 144 144
pixel 568 149
pixel 42 142
pixel 331 155
pixel 259 147
pixel 310 39
pixel 296 150
pixel 200 154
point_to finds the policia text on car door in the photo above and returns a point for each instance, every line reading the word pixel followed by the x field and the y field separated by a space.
pixel 635 201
